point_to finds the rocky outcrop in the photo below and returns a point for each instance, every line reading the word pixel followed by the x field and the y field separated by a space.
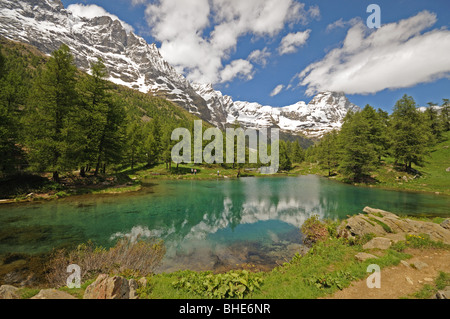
pixel 9 292
pixel 443 294
pixel 53 294
pixel 378 243
pixel 116 287
pixel 388 225
pixel 446 224
pixel 364 256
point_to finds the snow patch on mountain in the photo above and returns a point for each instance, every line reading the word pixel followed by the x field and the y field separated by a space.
pixel 134 63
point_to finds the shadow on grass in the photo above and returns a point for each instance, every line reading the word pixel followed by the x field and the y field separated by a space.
pixel 22 184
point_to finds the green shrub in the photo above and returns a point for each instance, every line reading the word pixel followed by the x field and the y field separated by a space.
pixel 418 241
pixel 339 279
pixel 234 284
pixel 61 194
pixel 131 258
pixel 314 230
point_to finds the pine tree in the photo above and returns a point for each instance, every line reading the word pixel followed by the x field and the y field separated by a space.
pixel 297 152
pixel 135 142
pixel 327 153
pixel 409 134
pixel 9 124
pixel 434 122
pixel 153 143
pixel 111 141
pixel 445 115
pixel 51 104
pixel 358 155
pixel 285 161
pixel 377 130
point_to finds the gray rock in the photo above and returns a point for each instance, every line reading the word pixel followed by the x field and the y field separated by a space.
pixel 111 288
pixel 133 289
pixel 443 294
pixel 143 282
pixel 9 292
pixel 53 294
pixel 364 256
pixel 378 243
pixel 409 280
pixel 419 265
pixel 405 263
pixel 446 224
pixel 360 225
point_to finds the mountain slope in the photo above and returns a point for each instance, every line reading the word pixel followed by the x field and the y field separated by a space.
pixel 130 60
pixel 134 63
pixel 324 113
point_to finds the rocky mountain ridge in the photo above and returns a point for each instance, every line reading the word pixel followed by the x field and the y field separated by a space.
pixel 132 62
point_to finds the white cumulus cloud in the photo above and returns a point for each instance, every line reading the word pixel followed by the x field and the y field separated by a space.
pixel 198 36
pixel 92 11
pixel 293 41
pixel 237 68
pixel 277 90
pixel 260 56
pixel 398 55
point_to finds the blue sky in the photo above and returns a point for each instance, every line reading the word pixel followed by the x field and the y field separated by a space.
pixel 249 48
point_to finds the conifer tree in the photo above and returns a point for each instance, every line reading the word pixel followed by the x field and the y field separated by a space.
pixel 445 115
pixel 328 151
pixel 358 156
pixel 285 161
pixel 9 130
pixel 51 104
pixel 377 135
pixel 409 134
pixel 434 122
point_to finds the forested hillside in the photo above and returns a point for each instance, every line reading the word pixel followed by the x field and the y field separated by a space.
pixel 372 138
pixel 55 118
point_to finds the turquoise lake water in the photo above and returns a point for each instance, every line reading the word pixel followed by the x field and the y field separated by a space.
pixel 204 224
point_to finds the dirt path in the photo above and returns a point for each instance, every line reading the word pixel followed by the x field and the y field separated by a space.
pixel 394 282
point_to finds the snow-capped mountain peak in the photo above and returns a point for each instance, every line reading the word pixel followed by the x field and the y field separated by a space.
pixel 132 62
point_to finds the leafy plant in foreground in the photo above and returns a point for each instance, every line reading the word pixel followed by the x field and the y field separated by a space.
pixel 234 284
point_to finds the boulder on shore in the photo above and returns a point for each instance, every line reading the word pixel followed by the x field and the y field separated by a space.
pixel 116 287
pixel 9 292
pixel 53 294
pixel 378 243
pixel 388 225
pixel 364 256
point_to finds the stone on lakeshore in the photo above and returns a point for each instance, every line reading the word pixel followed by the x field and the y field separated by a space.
pixel 53 294
pixel 111 288
pixel 9 292
pixel 409 280
pixel 143 282
pixel 419 265
pixel 378 243
pixel 405 263
pixel 446 224
pixel 364 256
pixel 360 225
pixel 443 294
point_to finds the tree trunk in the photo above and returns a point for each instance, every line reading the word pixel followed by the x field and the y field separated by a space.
pixel 82 172
pixel 97 167
pixel 55 176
